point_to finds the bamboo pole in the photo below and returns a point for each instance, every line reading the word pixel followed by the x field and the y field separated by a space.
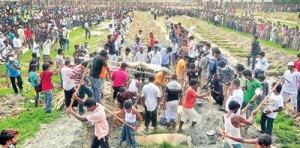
pixel 222 133
pixel 211 110
pixel 266 98
pixel 110 112
pixel 79 85
pixel 249 103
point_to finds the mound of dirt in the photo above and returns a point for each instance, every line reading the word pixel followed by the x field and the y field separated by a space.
pixel 10 105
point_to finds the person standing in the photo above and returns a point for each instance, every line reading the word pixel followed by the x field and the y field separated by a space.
pixel 119 78
pixel 261 66
pixel 97 118
pixel 268 116
pixel 141 56
pixel 18 47
pixel 66 38
pixel 155 56
pixel 172 98
pixel 297 66
pixel 290 85
pixel 60 60
pixel 87 30
pixel 34 80
pixel 68 84
pixel 97 63
pixel 77 74
pixel 46 49
pixel 36 50
pixel 130 113
pixel 232 122
pixel 47 85
pixel 251 85
pixel 189 113
pixel 181 68
pixel 255 49
pixel 166 55
pixel 14 68
pixel 151 97
pixel 135 85
pixel 235 93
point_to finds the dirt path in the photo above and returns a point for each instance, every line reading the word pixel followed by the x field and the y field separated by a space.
pixel 8 102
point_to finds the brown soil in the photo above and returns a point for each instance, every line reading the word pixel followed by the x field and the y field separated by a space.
pixel 10 105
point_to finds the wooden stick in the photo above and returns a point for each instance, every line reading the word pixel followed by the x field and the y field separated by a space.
pixel 79 85
pixel 212 110
pixel 222 133
pixel 110 112
pixel 249 103
pixel 266 98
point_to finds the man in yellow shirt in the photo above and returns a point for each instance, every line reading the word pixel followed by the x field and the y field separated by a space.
pixel 160 78
pixel 180 68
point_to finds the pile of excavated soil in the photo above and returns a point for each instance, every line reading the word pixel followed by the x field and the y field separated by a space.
pixel 10 105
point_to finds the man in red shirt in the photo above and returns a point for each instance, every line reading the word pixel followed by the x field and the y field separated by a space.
pixel 47 85
pixel 297 63
pixel 119 78
pixel 28 36
pixel 188 105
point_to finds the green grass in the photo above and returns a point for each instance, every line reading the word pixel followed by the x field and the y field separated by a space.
pixel 29 121
pixel 285 129
pixel 165 145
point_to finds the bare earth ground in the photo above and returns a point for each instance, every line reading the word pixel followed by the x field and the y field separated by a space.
pixel 10 105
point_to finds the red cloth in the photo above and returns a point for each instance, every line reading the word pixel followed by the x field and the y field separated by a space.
pixel 190 98
pixel 47 81
pixel 297 65
pixel 119 76
pixel 28 33
pixel 151 41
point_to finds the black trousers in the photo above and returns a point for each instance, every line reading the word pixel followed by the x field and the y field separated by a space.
pixel 150 115
pixel 87 33
pixel 68 97
pixel 13 83
pixel 103 142
pixel 116 90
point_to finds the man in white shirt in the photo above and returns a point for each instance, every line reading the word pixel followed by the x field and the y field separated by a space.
pixel 155 56
pixel 290 85
pixel 21 34
pixel 68 84
pixel 268 116
pixel 46 49
pixel 18 47
pixel 36 49
pixel 151 97
pixel 262 65
pixel 66 37
pixel 235 93
pixel 111 29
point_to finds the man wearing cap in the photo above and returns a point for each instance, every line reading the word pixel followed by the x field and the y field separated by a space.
pixel 131 114
pixel 155 56
pixel 14 68
pixel 290 85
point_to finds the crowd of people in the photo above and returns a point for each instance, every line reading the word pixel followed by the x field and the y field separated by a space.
pixel 189 70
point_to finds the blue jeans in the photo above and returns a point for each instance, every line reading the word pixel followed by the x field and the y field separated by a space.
pixel 48 100
pixel 82 91
pixel 66 45
pixel 96 88
pixel 253 61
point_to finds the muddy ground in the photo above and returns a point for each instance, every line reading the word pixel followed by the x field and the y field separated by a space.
pixel 11 105
pixel 67 132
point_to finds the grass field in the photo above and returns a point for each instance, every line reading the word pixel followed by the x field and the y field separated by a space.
pixel 29 121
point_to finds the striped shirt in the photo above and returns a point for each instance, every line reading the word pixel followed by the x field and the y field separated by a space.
pixel 77 74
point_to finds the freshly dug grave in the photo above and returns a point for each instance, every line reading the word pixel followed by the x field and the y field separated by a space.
pixel 10 105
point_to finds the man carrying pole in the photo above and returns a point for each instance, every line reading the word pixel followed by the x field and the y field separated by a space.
pixel 98 118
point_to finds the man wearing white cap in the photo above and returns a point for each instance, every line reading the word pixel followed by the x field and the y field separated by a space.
pixel 13 68
pixel 290 85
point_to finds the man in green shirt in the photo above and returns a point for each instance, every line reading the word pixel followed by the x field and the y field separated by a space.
pixel 249 91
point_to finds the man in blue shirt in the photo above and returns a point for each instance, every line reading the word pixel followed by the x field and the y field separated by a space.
pixel 13 67
pixel 166 56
